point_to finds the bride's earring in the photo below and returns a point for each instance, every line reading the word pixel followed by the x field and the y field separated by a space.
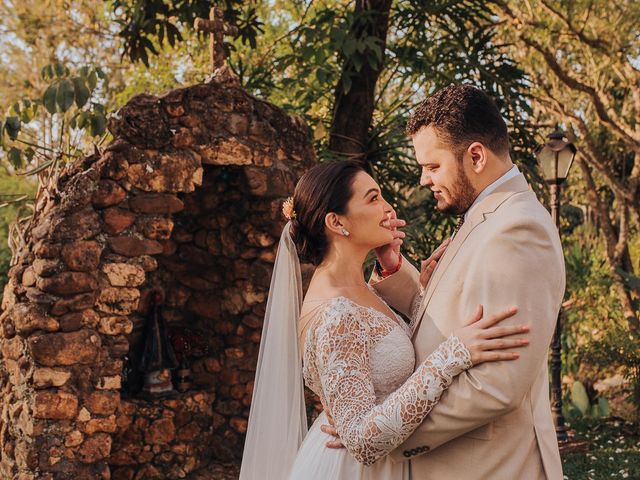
pixel 345 232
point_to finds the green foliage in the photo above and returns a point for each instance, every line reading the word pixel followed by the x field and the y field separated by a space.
pixel 596 341
pixel 428 47
pixel 581 404
pixel 579 398
pixel 142 22
pixel 15 192
pixel 68 95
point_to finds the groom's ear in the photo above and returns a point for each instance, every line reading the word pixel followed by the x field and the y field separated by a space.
pixel 332 222
pixel 478 154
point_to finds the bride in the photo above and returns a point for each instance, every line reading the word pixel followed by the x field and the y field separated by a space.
pixel 356 353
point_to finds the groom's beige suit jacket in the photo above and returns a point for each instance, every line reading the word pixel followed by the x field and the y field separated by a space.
pixel 494 422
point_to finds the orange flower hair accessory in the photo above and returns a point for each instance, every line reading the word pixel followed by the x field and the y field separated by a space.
pixel 287 209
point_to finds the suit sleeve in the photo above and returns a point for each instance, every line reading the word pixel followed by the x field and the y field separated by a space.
pixel 521 265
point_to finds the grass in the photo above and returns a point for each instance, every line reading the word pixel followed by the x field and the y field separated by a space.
pixel 614 451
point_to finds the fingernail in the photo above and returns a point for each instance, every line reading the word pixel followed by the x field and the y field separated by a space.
pixel 524 342
pixel 516 355
pixel 525 328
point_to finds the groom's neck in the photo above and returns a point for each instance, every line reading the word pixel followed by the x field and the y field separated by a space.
pixel 492 172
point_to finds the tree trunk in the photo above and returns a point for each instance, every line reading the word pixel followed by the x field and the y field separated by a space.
pixel 617 246
pixel 353 110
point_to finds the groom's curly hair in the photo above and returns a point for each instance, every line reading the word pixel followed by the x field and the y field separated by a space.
pixel 461 115
pixel 323 189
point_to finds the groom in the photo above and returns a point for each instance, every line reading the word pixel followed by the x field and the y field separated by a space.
pixel 494 422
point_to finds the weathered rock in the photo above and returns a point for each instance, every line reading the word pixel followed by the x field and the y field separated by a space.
pixel 204 304
pixel 101 425
pixel 79 225
pixel 141 122
pixel 53 349
pixel 118 346
pixel 73 439
pixel 113 382
pixel 117 325
pixel 238 125
pixel 118 301
pixel 94 448
pixel 46 267
pixel 102 403
pixel 212 365
pixel 146 262
pixel 50 377
pixel 82 255
pixel 29 277
pixel 155 227
pixel 68 283
pixel 148 471
pixel 229 152
pixel 269 183
pixel 12 348
pixel 55 405
pixel 28 318
pixel 84 415
pixel 177 171
pixel 132 247
pixel 124 274
pixel 75 303
pixel 112 166
pixel 117 220
pixel 37 296
pixel 108 193
pixel 44 249
pixel 160 432
pixel 76 320
pixel 239 424
pixel 156 203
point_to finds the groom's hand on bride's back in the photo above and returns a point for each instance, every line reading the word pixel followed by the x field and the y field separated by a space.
pixel 388 254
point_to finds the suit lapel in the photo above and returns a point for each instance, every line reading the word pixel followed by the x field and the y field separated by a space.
pixel 479 214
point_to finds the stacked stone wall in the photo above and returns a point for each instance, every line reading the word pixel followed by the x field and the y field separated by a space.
pixel 185 200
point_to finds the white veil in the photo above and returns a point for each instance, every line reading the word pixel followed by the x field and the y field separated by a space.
pixel 278 420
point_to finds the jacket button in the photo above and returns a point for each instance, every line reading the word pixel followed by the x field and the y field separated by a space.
pixel 406 453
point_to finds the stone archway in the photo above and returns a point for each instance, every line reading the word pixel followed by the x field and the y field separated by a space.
pixel 186 199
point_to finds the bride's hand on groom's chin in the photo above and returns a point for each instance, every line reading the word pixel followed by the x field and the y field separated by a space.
pixel 388 254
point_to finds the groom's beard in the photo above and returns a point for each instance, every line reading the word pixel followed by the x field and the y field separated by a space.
pixel 462 194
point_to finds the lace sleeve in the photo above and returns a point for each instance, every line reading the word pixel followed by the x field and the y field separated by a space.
pixel 415 309
pixel 371 431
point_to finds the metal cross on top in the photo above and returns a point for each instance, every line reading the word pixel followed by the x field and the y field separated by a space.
pixel 217 29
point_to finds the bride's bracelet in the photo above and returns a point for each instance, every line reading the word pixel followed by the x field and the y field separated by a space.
pixel 385 273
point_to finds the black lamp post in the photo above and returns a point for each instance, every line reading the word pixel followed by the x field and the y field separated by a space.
pixel 555 158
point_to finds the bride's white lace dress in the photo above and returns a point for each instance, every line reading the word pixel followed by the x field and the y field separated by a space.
pixel 361 364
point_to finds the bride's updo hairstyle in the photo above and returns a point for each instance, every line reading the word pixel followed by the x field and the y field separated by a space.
pixel 324 189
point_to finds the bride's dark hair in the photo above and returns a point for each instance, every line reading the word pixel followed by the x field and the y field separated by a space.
pixel 323 189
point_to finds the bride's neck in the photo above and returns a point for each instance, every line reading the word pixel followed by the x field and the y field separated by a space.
pixel 342 266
